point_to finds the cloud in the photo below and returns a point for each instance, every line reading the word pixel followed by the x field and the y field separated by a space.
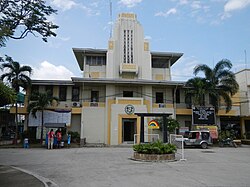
pixel 130 3
pixel 225 15
pixel 183 2
pixel 64 4
pixel 89 11
pixel 148 38
pixel 64 39
pixel 196 5
pixel 48 71
pixel 232 5
pixel 69 4
pixel 165 14
pixel 183 69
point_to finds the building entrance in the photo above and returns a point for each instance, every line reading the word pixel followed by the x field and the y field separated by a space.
pixel 128 130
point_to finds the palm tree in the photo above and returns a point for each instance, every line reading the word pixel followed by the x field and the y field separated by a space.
pixel 39 102
pixel 7 95
pixel 220 83
pixel 17 76
pixel 196 90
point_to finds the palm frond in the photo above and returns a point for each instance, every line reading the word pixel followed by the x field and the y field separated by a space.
pixel 25 69
pixel 227 99
pixel 222 64
pixel 205 69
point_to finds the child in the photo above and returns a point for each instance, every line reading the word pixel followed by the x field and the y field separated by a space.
pixel 69 139
pixel 26 143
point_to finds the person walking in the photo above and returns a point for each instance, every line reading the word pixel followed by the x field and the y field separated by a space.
pixel 51 135
pixel 59 138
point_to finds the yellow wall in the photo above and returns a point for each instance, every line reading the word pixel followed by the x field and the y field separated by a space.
pixel 183 111
pixel 75 110
pixel 20 110
pixel 129 101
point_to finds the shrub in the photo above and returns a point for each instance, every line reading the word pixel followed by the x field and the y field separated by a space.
pixel 157 147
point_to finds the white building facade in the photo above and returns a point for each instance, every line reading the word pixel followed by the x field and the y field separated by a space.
pixel 118 82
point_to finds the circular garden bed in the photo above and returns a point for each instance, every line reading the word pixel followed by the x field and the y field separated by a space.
pixel 156 151
pixel 153 157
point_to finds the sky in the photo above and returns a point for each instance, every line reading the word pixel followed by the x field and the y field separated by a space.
pixel 206 31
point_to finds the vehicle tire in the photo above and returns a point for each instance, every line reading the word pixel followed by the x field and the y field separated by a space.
pixel 221 144
pixel 204 145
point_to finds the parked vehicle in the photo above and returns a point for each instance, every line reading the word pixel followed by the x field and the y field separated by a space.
pixel 199 138
pixel 227 142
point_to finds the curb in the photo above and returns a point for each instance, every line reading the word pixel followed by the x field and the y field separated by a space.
pixel 45 181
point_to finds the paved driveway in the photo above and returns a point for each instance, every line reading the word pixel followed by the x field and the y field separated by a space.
pixel 112 167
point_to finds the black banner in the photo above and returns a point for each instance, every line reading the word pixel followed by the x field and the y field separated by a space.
pixel 203 116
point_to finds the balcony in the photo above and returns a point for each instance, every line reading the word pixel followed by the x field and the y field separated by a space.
pixel 129 100
pixel 128 68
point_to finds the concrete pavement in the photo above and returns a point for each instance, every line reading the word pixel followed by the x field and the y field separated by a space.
pixel 224 167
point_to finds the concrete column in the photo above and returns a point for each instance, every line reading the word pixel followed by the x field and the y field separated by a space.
pixel 142 130
pixel 164 129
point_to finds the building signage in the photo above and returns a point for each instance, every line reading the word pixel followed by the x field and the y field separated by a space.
pixel 203 116
pixel 129 109
pixel 57 116
pixel 153 125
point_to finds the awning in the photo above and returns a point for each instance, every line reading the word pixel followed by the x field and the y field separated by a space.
pixel 55 125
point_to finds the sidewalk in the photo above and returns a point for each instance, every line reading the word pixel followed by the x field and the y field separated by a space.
pixel 11 176
pixel 35 145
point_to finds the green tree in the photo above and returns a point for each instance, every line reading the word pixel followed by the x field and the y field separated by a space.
pixel 21 17
pixel 172 124
pixel 7 95
pixel 39 102
pixel 220 83
pixel 17 76
pixel 195 91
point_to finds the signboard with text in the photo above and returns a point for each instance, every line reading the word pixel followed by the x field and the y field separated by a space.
pixel 203 116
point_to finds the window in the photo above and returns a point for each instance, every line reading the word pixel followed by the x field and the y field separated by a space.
pixel 49 90
pixel 178 96
pixel 75 93
pixel 94 96
pixel 128 47
pixel 96 60
pixel 159 97
pixel 188 101
pixel 62 93
pixel 127 93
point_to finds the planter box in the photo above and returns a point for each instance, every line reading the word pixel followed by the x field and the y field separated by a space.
pixel 154 157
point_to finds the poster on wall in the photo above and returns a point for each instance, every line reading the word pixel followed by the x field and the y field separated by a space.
pixel 57 116
pixel 153 125
pixel 212 129
pixel 203 116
